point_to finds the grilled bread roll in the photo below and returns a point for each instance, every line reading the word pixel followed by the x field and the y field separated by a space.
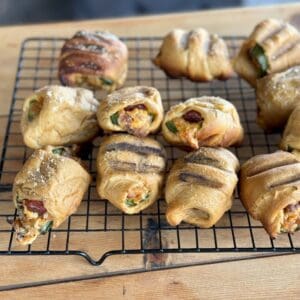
pixel 276 96
pixel 194 54
pixel 270 191
pixel 200 186
pixel 204 121
pixel 137 110
pixel 291 136
pixel 130 171
pixel 93 59
pixel 47 190
pixel 57 115
pixel 273 46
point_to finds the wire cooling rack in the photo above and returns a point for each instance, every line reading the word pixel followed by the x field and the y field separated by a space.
pixel 98 230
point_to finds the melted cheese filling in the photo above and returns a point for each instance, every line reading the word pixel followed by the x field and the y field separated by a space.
pixel 136 121
pixel 28 226
pixel 137 195
pixel 291 220
pixel 188 132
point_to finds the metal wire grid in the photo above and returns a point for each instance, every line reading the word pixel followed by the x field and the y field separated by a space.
pixel 107 230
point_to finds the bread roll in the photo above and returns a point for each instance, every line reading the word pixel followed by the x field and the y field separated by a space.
pixel 270 191
pixel 204 121
pixel 200 187
pixel 94 60
pixel 194 54
pixel 57 115
pixel 47 190
pixel 137 110
pixel 130 171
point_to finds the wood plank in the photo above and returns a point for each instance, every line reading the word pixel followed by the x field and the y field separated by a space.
pixel 219 281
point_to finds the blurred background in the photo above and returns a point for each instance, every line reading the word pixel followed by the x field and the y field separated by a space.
pixel 32 11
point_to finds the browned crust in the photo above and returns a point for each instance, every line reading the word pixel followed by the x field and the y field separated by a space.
pixel 99 54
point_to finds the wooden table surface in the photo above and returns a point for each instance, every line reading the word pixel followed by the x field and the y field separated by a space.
pixel 191 276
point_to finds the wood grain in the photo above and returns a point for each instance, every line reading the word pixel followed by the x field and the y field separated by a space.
pixel 233 280
pixel 259 279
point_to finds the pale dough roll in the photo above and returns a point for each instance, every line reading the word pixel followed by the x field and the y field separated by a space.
pixel 194 54
pixel 57 115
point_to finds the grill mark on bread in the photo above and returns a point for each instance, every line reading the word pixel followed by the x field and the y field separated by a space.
pixel 285 181
pixel 199 179
pixel 139 149
pixel 195 158
pixel 130 166
pixel 273 166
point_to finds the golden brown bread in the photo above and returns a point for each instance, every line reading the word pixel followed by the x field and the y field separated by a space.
pixel 46 191
pixel 57 115
pixel 270 191
pixel 204 121
pixel 200 187
pixel 137 110
pixel 276 97
pixel 130 171
pixel 291 136
pixel 194 54
pixel 273 46
pixel 93 59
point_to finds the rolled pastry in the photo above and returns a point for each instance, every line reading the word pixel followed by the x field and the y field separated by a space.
pixel 130 171
pixel 204 121
pixel 93 59
pixel 194 54
pixel 200 186
pixel 57 115
pixel 291 136
pixel 137 110
pixel 47 190
pixel 273 46
pixel 270 191
pixel 276 96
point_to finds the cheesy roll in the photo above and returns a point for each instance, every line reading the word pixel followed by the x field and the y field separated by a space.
pixel 196 54
pixel 93 59
pixel 273 46
pixel 137 110
pixel 130 171
pixel 276 96
pixel 200 187
pixel 57 115
pixel 204 121
pixel 47 190
pixel 270 191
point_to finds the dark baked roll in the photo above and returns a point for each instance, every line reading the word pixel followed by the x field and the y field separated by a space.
pixel 270 191
pixel 57 115
pixel 273 46
pixel 200 186
pixel 204 121
pixel 47 190
pixel 194 54
pixel 130 171
pixel 291 136
pixel 137 110
pixel 93 59
pixel 276 96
